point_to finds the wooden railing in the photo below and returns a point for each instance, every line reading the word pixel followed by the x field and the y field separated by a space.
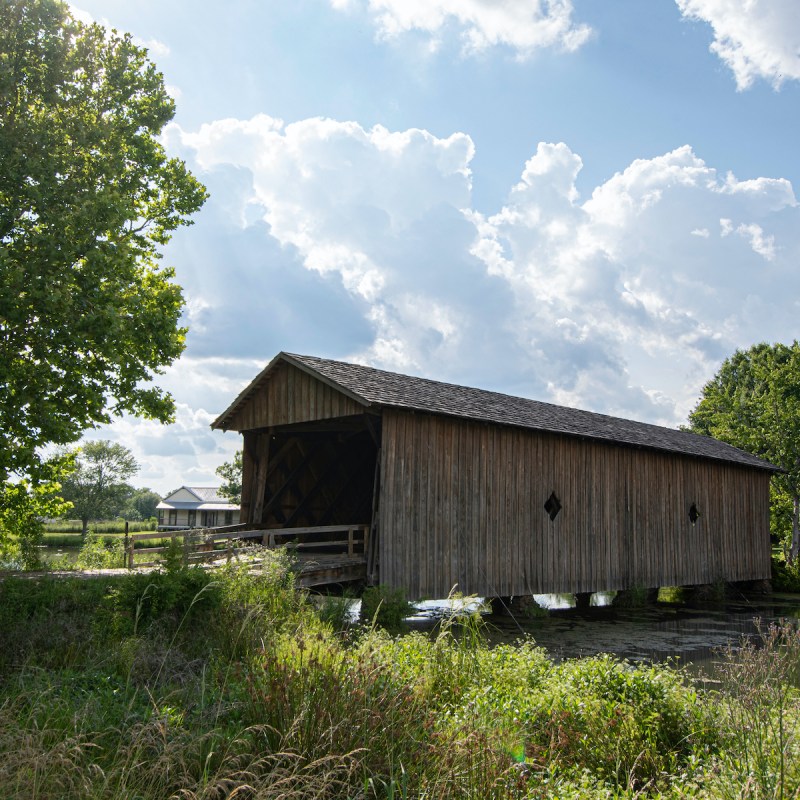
pixel 202 544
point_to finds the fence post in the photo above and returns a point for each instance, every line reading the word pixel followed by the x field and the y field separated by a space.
pixel 350 541
pixel 125 545
pixel 129 549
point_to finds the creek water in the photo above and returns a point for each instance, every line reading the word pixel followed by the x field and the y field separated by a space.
pixel 688 636
pixel 50 554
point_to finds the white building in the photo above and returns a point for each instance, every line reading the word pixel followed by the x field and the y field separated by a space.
pixel 196 507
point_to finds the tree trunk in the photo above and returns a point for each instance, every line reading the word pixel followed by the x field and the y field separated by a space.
pixel 794 550
pixel 85 528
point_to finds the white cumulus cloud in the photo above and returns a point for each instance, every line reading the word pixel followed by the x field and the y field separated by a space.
pixel 629 300
pixel 523 25
pixel 755 38
pixel 363 243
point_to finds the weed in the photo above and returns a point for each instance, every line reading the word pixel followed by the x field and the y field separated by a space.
pixel 761 711
pixel 336 611
pixel 714 593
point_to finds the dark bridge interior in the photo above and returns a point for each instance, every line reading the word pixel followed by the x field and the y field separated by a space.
pixel 321 474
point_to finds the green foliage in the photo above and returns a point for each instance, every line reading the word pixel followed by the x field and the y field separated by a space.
pixel 88 199
pixel 172 558
pixel 635 597
pixel 23 503
pixel 785 577
pixel 386 607
pixel 164 598
pixel 97 488
pixel 335 611
pixel 231 474
pixel 760 710
pixel 98 552
pixel 53 540
pixel 48 622
pixel 140 506
pixel 190 684
pixel 673 595
pixel 107 526
pixel 753 402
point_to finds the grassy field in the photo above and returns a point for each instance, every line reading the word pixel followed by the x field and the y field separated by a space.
pixel 193 685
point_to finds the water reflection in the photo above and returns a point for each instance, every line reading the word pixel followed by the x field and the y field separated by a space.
pixel 684 635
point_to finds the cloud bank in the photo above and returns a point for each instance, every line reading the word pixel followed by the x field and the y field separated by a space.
pixel 363 243
pixel 523 25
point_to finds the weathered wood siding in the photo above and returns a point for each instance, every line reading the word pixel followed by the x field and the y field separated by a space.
pixel 462 504
pixel 288 397
pixel 292 396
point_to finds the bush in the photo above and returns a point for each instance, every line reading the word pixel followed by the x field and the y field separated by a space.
pixel 386 607
pixel 171 599
pixel 99 552
pixel 785 577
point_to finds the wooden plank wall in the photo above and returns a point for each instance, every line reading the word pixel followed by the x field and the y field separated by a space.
pixel 290 396
pixel 462 504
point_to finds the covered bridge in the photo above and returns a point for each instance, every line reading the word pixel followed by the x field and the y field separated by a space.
pixel 493 494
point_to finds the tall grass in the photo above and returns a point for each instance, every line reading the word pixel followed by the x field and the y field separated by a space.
pixel 99 527
pixel 760 712
pixel 188 684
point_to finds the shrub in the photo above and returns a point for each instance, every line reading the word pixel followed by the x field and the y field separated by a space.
pixel 785 577
pixel 99 552
pixel 386 607
pixel 169 599
pixel 335 611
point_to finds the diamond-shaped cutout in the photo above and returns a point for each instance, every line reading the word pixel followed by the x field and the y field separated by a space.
pixel 694 514
pixel 552 506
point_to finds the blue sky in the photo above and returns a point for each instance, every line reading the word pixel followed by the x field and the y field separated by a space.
pixel 590 203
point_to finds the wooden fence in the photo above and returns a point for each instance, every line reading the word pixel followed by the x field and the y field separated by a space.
pixel 212 544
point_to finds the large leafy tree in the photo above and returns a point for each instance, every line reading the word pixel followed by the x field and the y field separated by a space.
pixel 98 487
pixel 88 197
pixel 753 402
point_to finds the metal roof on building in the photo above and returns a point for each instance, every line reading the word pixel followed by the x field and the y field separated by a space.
pixel 207 499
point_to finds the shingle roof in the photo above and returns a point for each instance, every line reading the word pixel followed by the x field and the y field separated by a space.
pixel 376 388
